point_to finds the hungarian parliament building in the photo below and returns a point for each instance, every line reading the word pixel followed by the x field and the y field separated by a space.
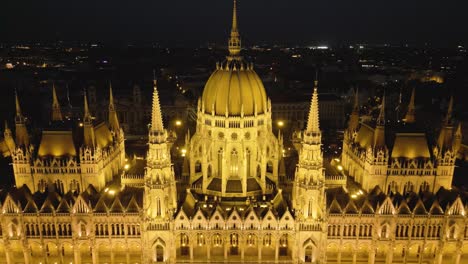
pixel 75 202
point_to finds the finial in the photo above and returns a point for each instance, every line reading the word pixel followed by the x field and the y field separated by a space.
pixel 410 115
pixel 234 40
pixel 234 16
pixel 458 133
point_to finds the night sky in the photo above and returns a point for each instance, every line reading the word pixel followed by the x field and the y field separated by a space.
pixel 201 21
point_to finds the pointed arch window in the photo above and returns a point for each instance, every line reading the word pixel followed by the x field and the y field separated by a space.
pixel 234 171
pixel 220 162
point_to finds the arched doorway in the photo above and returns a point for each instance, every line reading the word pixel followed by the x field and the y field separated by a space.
pixel 159 253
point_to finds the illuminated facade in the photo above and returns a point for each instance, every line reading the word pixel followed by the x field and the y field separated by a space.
pixel 236 208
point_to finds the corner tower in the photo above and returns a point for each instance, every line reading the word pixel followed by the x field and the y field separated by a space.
pixel 309 186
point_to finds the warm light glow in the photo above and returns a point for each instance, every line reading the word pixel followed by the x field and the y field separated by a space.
pixel 280 123
pixel 81 124
pixel 126 166
pixel 178 123
pixel 339 167
pixel 111 192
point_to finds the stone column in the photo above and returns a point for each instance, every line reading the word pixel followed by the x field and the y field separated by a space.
pixel 127 255
pixel 354 256
pixel 438 258
pixel 112 256
pixel 225 250
pixel 76 253
pixel 95 255
pixel 338 257
pixel 259 251
pixel 7 254
pixel 371 259
pixel 26 254
pixel 208 250
pixel 457 257
pixel 242 248
pixel 191 251
pixel 277 251
pixel 389 259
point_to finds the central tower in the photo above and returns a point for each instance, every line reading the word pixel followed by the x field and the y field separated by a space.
pixel 234 152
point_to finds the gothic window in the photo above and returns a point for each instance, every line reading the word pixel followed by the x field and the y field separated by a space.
pixel 200 239
pixel 269 167
pixel 74 186
pixel 424 187
pixel 284 241
pixel 251 240
pixel 234 163
pixel 408 188
pixel 267 240
pixel 198 167
pixel 234 240
pixel 184 240
pixel 209 172
pixel 59 186
pixel 452 233
pixel 384 232
pixel 82 229
pixel 392 187
pixel 217 241
pixel 42 185
pixel 259 171
pixel 158 207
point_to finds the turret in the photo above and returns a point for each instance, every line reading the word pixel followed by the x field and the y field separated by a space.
pixel 8 136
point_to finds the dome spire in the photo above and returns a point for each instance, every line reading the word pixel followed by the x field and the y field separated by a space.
pixel 234 40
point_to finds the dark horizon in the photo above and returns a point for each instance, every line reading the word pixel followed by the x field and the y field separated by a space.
pixel 262 21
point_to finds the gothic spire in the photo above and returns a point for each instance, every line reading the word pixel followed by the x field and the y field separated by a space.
pixel 56 112
pixel 234 40
pixel 156 116
pixel 19 115
pixel 313 120
pixel 448 117
pixel 22 137
pixel 87 115
pixel 379 132
pixel 410 115
pixel 88 129
pixel 113 120
pixel 381 118
pixel 354 118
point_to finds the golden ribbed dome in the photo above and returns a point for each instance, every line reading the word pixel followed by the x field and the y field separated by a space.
pixel 234 86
